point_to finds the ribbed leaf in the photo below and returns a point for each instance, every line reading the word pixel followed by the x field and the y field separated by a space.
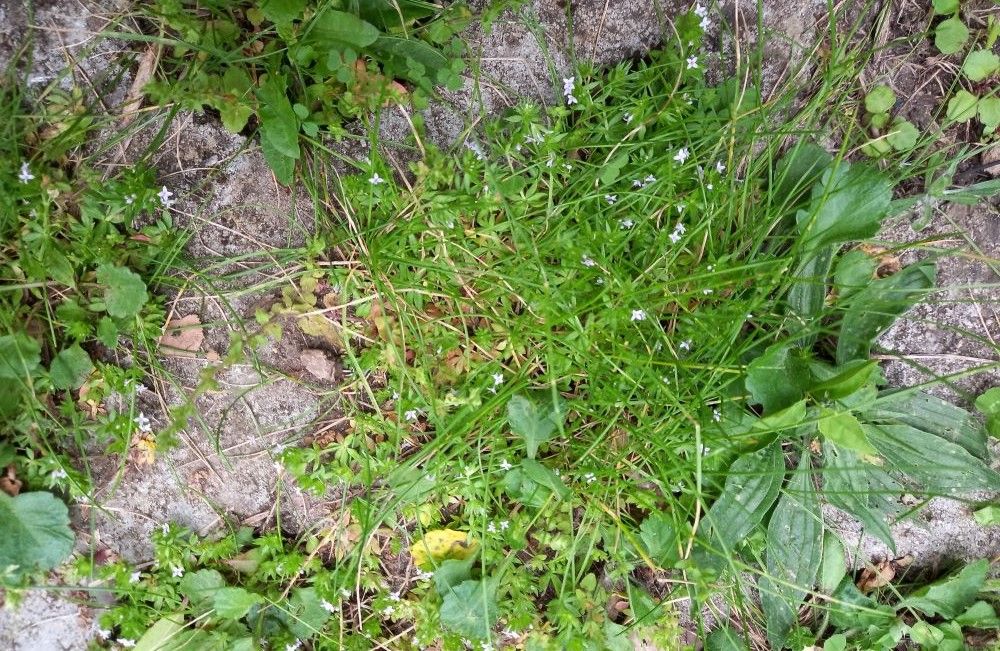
pixel 847 485
pixel 932 415
pixel 752 485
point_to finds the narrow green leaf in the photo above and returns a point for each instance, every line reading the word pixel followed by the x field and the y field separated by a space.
pixel 849 485
pixel 930 414
pixel 807 296
pixel 797 172
pixel 162 635
pixel 794 553
pixel 282 166
pixel 545 477
pixel 848 379
pixel 834 567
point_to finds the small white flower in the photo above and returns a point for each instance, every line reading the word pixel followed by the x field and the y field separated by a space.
pixel 166 197
pixel 125 642
pixel 682 155
pixel 567 167
pixel 570 100
pixel 165 528
pixel 388 611
pixel 611 198
pixel 393 596
pixel 327 606
pixel 588 261
pixel 711 267
pixel 599 281
pixel 411 415
pixel 376 179
pixel 134 577
pixel 505 465
pixel 681 207
pixel 129 199
pixel 700 11
pixel 749 316
pixel 692 63
pixel 143 423
pixel 491 528
pixel 590 478
pixel 497 379
pixel 103 633
pixel 424 576
pixel 25 175
pixel 638 315
pixel 345 593
pixel 675 237
pixel 665 379
pixel 706 292
pixel 649 180
pixel 685 345
pixel 550 162
pixel 625 224
pixel 476 149
pixel 569 83
pixel 177 571
pixel 59 473
pixel 705 24
pixel 637 183
pixel 719 167
pixel 504 525
pixel 716 415
pixel 709 186
pixel 294 646
pixel 627 118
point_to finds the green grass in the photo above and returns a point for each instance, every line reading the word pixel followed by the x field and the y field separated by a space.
pixel 581 342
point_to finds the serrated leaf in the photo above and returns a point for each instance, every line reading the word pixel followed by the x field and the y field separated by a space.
pixel 962 107
pixel 933 415
pixel 849 485
pixel 778 378
pixel 20 355
pixel 659 537
pixel 950 596
pixel 36 534
pixel 880 99
pixel 873 309
pixel 903 136
pixel 335 29
pixel 847 204
pixel 470 609
pixel 70 368
pixel 234 603
pixel 951 35
pixel 752 485
pixel 124 291
pixel 980 64
pixel 535 422
pixel 845 430
pixel 400 51
pixel 940 466
pixel 794 552
pixel 107 332
pixel 200 587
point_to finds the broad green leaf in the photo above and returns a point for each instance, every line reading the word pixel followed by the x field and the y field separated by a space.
pixel 847 204
pixel 945 7
pixel 162 635
pixel 807 296
pixel 844 429
pixel 988 516
pixel 950 596
pixel 70 368
pixel 399 52
pixel 903 136
pixel 306 615
pixel 942 637
pixel 962 107
pixel 847 380
pixel 282 13
pixel 940 466
pixel 616 637
pixel 752 485
pixel 989 113
pixel 933 415
pixel 20 355
pixel 613 168
pixel 849 485
pixel 124 291
pixel 452 572
pixel 836 642
pixel 333 30
pixel 234 603
pixel 797 172
pixel 394 14
pixel 282 166
pixel 535 422
pixel 834 567
pixel 951 35
pixel 36 534
pixel 659 537
pixel 794 553
pixel 520 487
pixel 873 309
pixel 880 99
pixel 778 378
pixel 855 271
pixel 545 477
pixel 200 587
pixel 979 615
pixel 279 125
pixel 980 64
pixel 235 115
pixel 470 609
pixel 725 638
pixel 851 608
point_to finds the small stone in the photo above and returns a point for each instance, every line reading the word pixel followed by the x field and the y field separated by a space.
pixel 317 364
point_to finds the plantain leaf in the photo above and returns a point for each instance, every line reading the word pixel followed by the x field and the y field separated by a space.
pixel 752 485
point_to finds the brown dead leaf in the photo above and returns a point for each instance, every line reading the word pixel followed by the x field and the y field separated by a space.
pixel 182 337
pixel 876 576
pixel 317 364
pixel 9 483
pixel 142 451
pixel 133 101
pixel 342 536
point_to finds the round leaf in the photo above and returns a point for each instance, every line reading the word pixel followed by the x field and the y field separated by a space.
pixel 880 99
pixel 962 107
pixel 951 35
pixel 903 136
pixel 945 7
pixel 19 356
pixel 36 533
pixel 989 113
pixel 124 293
pixel 980 64
pixel 70 368
pixel 470 609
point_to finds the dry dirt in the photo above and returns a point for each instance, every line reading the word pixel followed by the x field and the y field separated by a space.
pixel 225 465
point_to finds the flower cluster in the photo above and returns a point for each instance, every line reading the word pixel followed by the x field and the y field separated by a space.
pixel 569 83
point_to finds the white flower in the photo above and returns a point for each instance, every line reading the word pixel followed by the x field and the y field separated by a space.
pixel 685 345
pixel 599 281
pixel 716 415
pixel 134 577
pixel 706 292
pixel 638 315
pixel 709 186
pixel 719 167
pixel 388 611
pixel 588 261
pixel 627 118
pixel 411 415
pixel 590 478
pixel 177 571
pixel 570 99
pixel 637 183
pixel 125 642
pixel 424 576
pixel 59 473
pixel 705 24
pixel 165 528
pixel 25 174
pixel 165 196
pixel 692 63
pixel 649 180
pixel 682 155
pixel 504 525
pixel 679 230
pixel 376 179
pixel 143 423
pixel 700 11
pixel 103 633
pixel 681 207
pixel 625 224
pixel 505 465
pixel 665 379
pixel 569 83
pixel 497 379
pixel 675 237
pixel 393 596
pixel 474 147
pixel 491 528
pixel 711 267
pixel 294 646
pixel 611 198
pixel 129 199
pixel 550 162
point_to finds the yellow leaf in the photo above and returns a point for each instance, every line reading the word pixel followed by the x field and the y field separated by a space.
pixel 441 545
